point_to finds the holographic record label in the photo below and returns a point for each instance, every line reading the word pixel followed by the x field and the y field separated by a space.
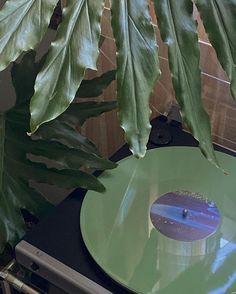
pixel 185 216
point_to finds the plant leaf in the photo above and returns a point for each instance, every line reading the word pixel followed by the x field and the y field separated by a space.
pixel 78 113
pixel 56 129
pixel 64 129
pixel 138 69
pixel 219 19
pixel 15 192
pixel 17 171
pixel 23 77
pixel 74 50
pixel 23 24
pixel 178 31
pixel 21 157
pixel 95 87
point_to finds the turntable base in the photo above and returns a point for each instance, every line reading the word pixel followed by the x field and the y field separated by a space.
pixel 56 245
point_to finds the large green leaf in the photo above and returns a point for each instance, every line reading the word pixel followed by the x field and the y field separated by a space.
pixel 15 191
pixel 219 18
pixel 23 24
pixel 56 129
pixel 22 157
pixel 179 32
pixel 74 50
pixel 138 69
pixel 77 114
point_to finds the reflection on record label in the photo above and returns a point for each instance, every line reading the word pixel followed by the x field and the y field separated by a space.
pixel 185 216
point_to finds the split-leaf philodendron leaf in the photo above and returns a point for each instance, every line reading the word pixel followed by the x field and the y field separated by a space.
pixel 23 24
pixel 179 32
pixel 95 87
pixel 58 142
pixel 74 50
pixel 137 69
pixel 219 19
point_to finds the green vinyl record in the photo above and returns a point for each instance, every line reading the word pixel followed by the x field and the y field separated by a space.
pixel 166 223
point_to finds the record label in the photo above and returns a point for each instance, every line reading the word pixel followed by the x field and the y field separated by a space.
pixel 185 216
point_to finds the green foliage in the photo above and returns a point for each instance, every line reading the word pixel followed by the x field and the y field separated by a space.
pixel 22 157
pixel 137 69
pixel 94 88
pixel 28 18
pixel 76 48
pixel 179 32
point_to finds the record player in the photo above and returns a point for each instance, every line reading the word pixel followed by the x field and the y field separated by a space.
pixel 166 224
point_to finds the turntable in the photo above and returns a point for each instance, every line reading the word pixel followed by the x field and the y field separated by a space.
pixel 166 224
